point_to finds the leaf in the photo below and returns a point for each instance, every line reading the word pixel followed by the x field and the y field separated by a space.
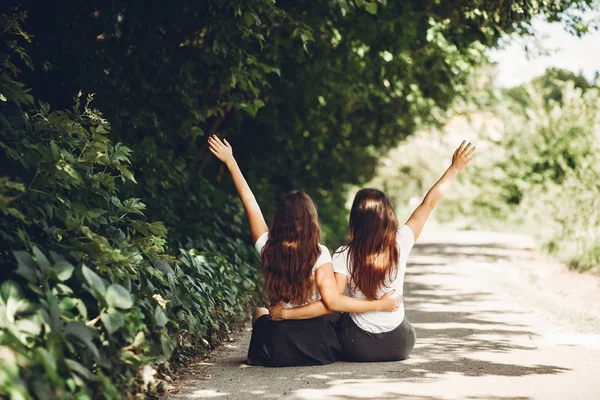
pixel 117 296
pixel 41 260
pixel 371 8
pixel 26 266
pixel 64 270
pixel 158 229
pixel 167 344
pixel 140 338
pixel 15 213
pixel 78 331
pixel 160 317
pixel 112 320
pixel 75 366
pixel 10 290
pixel 126 172
pixel 93 280
pixel 134 205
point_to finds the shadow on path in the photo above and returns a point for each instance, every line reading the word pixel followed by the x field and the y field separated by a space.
pixel 459 328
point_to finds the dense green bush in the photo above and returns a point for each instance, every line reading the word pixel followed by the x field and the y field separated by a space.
pixel 92 300
pixel 311 92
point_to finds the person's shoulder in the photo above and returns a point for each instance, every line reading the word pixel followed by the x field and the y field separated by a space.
pixel 325 253
pixel 405 237
pixel 323 247
pixel 340 252
pixel 261 242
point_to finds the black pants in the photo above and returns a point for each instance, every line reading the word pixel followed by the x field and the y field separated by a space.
pixel 362 346
pixel 294 343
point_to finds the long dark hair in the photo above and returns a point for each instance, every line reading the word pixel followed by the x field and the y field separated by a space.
pixel 292 250
pixel 373 249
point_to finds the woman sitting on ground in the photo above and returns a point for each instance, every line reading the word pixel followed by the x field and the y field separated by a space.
pixel 297 270
pixel 373 263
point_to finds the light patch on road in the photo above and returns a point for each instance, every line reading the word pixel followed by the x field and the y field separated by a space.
pixel 573 339
pixel 206 394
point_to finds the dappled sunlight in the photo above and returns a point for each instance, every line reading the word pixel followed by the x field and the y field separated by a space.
pixel 206 394
pixel 473 342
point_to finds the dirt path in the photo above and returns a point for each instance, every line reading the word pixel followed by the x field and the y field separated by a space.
pixel 493 319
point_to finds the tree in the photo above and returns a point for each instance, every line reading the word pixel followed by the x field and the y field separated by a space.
pixel 313 92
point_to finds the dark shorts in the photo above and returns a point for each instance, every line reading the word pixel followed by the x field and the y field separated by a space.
pixel 362 346
pixel 294 343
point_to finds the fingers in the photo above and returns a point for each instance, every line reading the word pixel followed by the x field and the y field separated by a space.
pixel 470 152
pixel 467 149
pixel 226 142
pixel 215 142
pixel 461 147
pixel 215 152
pixel 216 138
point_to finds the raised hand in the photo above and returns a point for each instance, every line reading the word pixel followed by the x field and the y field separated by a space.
pixel 390 301
pixel 221 149
pixel 463 155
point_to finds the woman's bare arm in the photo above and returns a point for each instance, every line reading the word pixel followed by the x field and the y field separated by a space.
pixel 311 310
pixel 224 152
pixel 462 156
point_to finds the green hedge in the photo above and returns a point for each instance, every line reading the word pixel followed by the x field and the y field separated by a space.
pixel 93 302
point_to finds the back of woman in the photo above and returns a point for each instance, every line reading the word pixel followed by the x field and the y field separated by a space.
pixel 291 254
pixel 373 263
pixel 297 270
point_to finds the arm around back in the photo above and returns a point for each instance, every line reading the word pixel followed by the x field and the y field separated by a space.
pixel 336 301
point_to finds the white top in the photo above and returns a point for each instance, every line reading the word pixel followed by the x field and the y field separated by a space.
pixel 378 321
pixel 324 258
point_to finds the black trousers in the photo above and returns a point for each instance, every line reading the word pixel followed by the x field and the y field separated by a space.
pixel 362 346
pixel 294 343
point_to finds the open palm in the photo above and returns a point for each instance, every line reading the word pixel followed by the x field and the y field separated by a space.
pixel 221 149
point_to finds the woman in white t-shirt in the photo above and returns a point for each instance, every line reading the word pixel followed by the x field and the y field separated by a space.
pixel 373 264
pixel 297 270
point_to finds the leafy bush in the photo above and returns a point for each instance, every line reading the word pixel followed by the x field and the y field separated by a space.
pixel 93 300
pixel 538 172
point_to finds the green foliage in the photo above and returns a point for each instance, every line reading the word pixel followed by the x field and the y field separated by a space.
pixel 91 300
pixel 553 166
pixel 538 169
pixel 309 92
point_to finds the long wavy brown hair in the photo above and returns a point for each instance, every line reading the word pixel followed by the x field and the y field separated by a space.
pixel 373 249
pixel 292 250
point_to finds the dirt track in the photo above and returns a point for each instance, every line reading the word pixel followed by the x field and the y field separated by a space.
pixel 493 319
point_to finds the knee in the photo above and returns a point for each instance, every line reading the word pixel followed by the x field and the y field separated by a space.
pixel 259 313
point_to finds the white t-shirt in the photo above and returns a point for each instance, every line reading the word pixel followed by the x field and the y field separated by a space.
pixel 378 321
pixel 324 258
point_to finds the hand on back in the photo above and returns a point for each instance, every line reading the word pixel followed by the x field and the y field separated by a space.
pixel 221 149
pixel 390 301
pixel 277 312
pixel 463 155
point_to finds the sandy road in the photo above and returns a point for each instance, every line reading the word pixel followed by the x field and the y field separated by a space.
pixel 494 321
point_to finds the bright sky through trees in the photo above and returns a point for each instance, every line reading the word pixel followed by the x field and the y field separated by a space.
pixel 521 58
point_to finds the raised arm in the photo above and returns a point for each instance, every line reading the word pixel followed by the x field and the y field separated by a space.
pixel 462 156
pixel 224 152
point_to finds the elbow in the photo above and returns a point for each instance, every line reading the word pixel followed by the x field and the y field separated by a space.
pixel 330 305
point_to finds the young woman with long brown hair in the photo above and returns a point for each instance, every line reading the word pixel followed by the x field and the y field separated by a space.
pixel 297 270
pixel 373 263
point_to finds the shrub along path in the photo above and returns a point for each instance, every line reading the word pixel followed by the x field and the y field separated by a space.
pixel 494 320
